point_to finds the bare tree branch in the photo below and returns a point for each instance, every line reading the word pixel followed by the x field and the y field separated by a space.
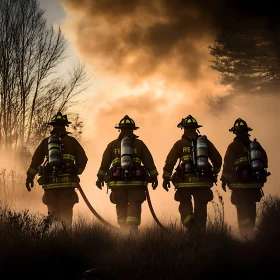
pixel 31 90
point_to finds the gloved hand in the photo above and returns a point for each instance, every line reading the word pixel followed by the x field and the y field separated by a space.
pixel 99 184
pixel 166 184
pixel 224 184
pixel 29 182
pixel 154 182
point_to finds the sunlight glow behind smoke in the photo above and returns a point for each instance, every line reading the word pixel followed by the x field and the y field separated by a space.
pixel 157 75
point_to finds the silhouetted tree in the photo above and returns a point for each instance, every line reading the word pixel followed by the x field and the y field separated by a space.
pixel 246 51
pixel 31 91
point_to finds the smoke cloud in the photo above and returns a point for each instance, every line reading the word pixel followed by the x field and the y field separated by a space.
pixel 150 60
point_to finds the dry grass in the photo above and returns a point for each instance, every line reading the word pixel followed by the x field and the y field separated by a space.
pixel 34 247
pixel 13 192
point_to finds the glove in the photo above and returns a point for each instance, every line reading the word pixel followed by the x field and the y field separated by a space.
pixel 154 182
pixel 29 182
pixel 166 184
pixel 99 184
pixel 224 184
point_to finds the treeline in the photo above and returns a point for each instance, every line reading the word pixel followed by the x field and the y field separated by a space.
pixel 31 86
pixel 246 49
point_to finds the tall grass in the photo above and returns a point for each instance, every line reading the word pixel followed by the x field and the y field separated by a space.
pixel 13 192
pixel 33 247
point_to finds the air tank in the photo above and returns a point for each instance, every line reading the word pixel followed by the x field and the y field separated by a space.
pixel 54 151
pixel 256 156
pixel 126 153
pixel 202 153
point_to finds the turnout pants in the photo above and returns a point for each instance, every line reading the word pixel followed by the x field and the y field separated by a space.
pixel 193 216
pixel 245 203
pixel 60 203
pixel 128 204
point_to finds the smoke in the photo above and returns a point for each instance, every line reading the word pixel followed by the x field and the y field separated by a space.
pixel 150 60
pixel 144 41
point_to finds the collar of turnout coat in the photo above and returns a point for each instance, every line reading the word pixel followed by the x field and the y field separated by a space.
pixel 127 133
pixel 60 132
pixel 190 135
pixel 244 140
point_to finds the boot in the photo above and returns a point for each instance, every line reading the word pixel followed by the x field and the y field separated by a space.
pixel 133 229
pixel 190 225
pixel 247 232
pixel 123 228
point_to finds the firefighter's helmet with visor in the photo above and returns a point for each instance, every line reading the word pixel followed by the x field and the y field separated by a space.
pixel 126 123
pixel 189 121
pixel 59 119
pixel 240 126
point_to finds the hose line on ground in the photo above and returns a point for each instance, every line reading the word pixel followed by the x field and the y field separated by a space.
pixel 93 210
pixel 152 210
pixel 108 224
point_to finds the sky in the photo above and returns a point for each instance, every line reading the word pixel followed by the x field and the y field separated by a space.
pixel 150 60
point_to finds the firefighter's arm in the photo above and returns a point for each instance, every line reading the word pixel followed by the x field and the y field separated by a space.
pixel 215 157
pixel 265 158
pixel 37 159
pixel 80 158
pixel 105 163
pixel 148 161
pixel 170 161
pixel 228 165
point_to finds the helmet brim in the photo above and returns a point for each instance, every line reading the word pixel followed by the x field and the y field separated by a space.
pixel 183 126
pixel 59 122
pixel 126 127
pixel 247 129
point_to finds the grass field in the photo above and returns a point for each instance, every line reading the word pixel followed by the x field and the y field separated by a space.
pixel 33 246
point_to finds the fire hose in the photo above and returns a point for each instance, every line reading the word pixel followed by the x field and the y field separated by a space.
pixel 108 224
pixel 152 210
pixel 93 210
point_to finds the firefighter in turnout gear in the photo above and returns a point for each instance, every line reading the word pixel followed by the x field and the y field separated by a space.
pixel 127 167
pixel 244 172
pixel 194 175
pixel 58 160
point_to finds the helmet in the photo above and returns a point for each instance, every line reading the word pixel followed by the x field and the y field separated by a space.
pixel 189 121
pixel 126 122
pixel 59 119
pixel 240 125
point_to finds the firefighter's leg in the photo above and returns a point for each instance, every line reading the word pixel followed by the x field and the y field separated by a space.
pixel 244 218
pixel 119 197
pixel 245 209
pixel 121 210
pixel 50 199
pixel 201 199
pixel 67 199
pixel 254 196
pixel 136 196
pixel 185 207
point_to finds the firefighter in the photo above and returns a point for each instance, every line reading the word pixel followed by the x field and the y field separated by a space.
pixel 244 172
pixel 58 160
pixel 127 167
pixel 194 175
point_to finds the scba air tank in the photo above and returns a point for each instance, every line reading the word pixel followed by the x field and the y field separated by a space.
pixel 126 153
pixel 54 150
pixel 202 153
pixel 256 155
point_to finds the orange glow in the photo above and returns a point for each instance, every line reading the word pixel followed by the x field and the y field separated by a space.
pixel 157 81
